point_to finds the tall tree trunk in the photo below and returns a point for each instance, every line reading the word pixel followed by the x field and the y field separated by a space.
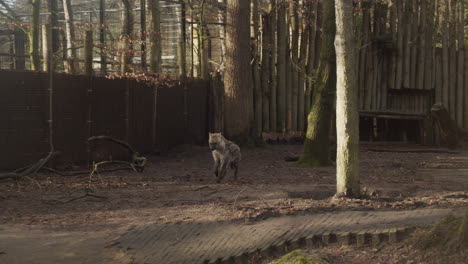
pixel 203 42
pixel 46 47
pixel 256 81
pixel 20 37
pixel 288 85
pixel 273 69
pixel 70 64
pixel 347 117
pixel 421 64
pixel 294 85
pixel 238 101
pixel 407 44
pixel 393 32
pixel 54 15
pixel 143 33
pixel 155 36
pixel 445 55
pixel 302 68
pixel 266 71
pixel 465 112
pixel 452 61
pixel 311 57
pixel 34 36
pixel 102 36
pixel 400 51
pixel 460 61
pixel 203 49
pixel 281 66
pixel 182 50
pixel 222 35
pixel 429 36
pixel 316 146
pixel 126 36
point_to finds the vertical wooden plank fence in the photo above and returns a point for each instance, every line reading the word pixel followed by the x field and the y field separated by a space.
pixel 148 117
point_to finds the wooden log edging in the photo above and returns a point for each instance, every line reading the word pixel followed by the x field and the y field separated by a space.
pixel 392 235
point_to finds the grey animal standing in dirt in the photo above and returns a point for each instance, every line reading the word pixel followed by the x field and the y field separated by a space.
pixel 225 154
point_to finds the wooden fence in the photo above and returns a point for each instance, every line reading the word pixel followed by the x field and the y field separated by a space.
pixel 148 117
pixel 411 54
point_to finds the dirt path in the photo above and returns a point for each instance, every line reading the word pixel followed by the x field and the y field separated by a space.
pixel 179 188
pixel 32 246
pixel 202 242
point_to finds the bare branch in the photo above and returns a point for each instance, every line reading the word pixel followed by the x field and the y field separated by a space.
pixel 14 21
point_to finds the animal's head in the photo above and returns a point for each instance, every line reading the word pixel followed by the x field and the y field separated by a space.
pixel 215 140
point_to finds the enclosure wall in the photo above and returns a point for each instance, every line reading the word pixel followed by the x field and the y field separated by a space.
pixel 148 117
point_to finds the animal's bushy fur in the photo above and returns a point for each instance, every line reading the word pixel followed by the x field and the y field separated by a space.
pixel 225 154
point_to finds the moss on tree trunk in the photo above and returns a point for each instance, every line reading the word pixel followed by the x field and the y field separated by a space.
pixel 317 143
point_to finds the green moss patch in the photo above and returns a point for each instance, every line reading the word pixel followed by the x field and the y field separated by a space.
pixel 301 257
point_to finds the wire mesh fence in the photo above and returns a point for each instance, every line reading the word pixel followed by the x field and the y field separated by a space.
pixel 87 17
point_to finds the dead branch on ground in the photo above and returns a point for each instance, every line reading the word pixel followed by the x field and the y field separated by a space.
pixel 137 162
pixel 253 188
pixel 32 169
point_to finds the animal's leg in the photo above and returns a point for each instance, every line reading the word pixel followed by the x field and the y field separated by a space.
pixel 216 168
pixel 222 173
pixel 236 167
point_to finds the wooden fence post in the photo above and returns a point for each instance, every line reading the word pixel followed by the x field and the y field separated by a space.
pixel 154 117
pixel 89 121
pixel 127 110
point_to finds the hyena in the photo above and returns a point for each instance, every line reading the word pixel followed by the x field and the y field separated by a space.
pixel 225 154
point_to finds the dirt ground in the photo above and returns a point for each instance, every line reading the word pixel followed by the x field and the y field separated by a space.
pixel 180 186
